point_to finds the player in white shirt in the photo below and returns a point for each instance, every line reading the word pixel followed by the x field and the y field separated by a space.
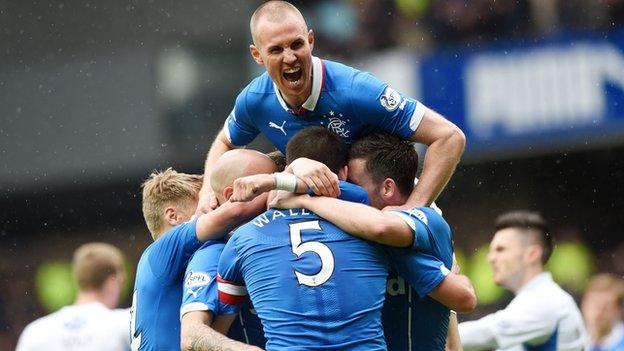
pixel 542 316
pixel 91 323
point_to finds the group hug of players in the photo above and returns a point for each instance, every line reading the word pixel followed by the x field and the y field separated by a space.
pixel 347 257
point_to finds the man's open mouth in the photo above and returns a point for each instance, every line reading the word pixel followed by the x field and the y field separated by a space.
pixel 292 74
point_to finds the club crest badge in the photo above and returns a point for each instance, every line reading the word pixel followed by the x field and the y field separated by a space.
pixel 390 99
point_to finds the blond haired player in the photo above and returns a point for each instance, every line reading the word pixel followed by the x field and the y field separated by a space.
pixel 91 323
pixel 169 201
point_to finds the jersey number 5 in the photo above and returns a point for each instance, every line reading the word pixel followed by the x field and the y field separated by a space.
pixel 324 253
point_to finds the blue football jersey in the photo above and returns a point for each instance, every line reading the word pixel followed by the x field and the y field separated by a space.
pixel 200 294
pixel 247 327
pixel 200 281
pixel 412 320
pixel 313 286
pixel 155 312
pixel 347 101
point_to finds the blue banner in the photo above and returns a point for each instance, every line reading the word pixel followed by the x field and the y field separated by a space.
pixel 524 96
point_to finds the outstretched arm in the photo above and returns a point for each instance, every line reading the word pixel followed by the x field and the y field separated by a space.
pixel 357 219
pixel 227 217
pixel 300 174
pixel 446 144
pixel 249 187
pixel 207 199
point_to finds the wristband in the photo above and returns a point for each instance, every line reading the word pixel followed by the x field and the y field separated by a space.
pixel 285 181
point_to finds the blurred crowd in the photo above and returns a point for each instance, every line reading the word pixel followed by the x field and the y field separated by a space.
pixel 351 27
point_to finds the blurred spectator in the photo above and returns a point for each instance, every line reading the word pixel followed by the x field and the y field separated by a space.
pixel 602 310
pixel 542 315
pixel 90 323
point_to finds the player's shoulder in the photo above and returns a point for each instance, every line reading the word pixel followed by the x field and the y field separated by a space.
pixel 211 246
pixel 425 215
pixel 208 251
pixel 188 228
pixel 42 325
pixel 338 75
pixel 259 86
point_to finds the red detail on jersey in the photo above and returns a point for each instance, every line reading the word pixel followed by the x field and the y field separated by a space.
pixel 231 293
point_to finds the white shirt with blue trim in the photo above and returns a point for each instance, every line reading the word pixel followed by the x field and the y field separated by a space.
pixel 542 317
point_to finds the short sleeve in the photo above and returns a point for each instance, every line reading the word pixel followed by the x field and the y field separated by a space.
pixel 432 234
pixel 353 193
pixel 231 287
pixel 422 271
pixel 200 280
pixel 169 254
pixel 239 127
pixel 377 104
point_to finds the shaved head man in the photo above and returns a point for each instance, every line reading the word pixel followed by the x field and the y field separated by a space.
pixel 299 90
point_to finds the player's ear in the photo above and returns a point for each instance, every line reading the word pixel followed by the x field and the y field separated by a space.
pixel 534 253
pixel 227 192
pixel 311 39
pixel 255 54
pixel 171 216
pixel 343 173
pixel 388 188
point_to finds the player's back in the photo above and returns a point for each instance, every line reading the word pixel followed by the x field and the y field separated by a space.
pixel 88 327
pixel 313 286
pixel 155 314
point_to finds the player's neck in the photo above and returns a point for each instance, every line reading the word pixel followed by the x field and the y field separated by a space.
pixel 85 297
pixel 530 273
pixel 159 235
pixel 296 101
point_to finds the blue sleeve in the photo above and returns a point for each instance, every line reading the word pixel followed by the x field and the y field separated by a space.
pixel 170 253
pixel 423 272
pixel 348 192
pixel 432 234
pixel 239 127
pixel 231 286
pixel 353 193
pixel 376 104
pixel 200 280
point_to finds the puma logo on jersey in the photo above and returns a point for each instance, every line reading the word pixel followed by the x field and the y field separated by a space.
pixel 273 125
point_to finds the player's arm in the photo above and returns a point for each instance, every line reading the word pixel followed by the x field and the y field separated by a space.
pixel 379 105
pixel 306 174
pixel 207 200
pixel 446 144
pixel 357 219
pixel 196 335
pixel 512 326
pixel 225 218
pixel 453 343
pixel 455 292
pixel 249 187
pixel 315 175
